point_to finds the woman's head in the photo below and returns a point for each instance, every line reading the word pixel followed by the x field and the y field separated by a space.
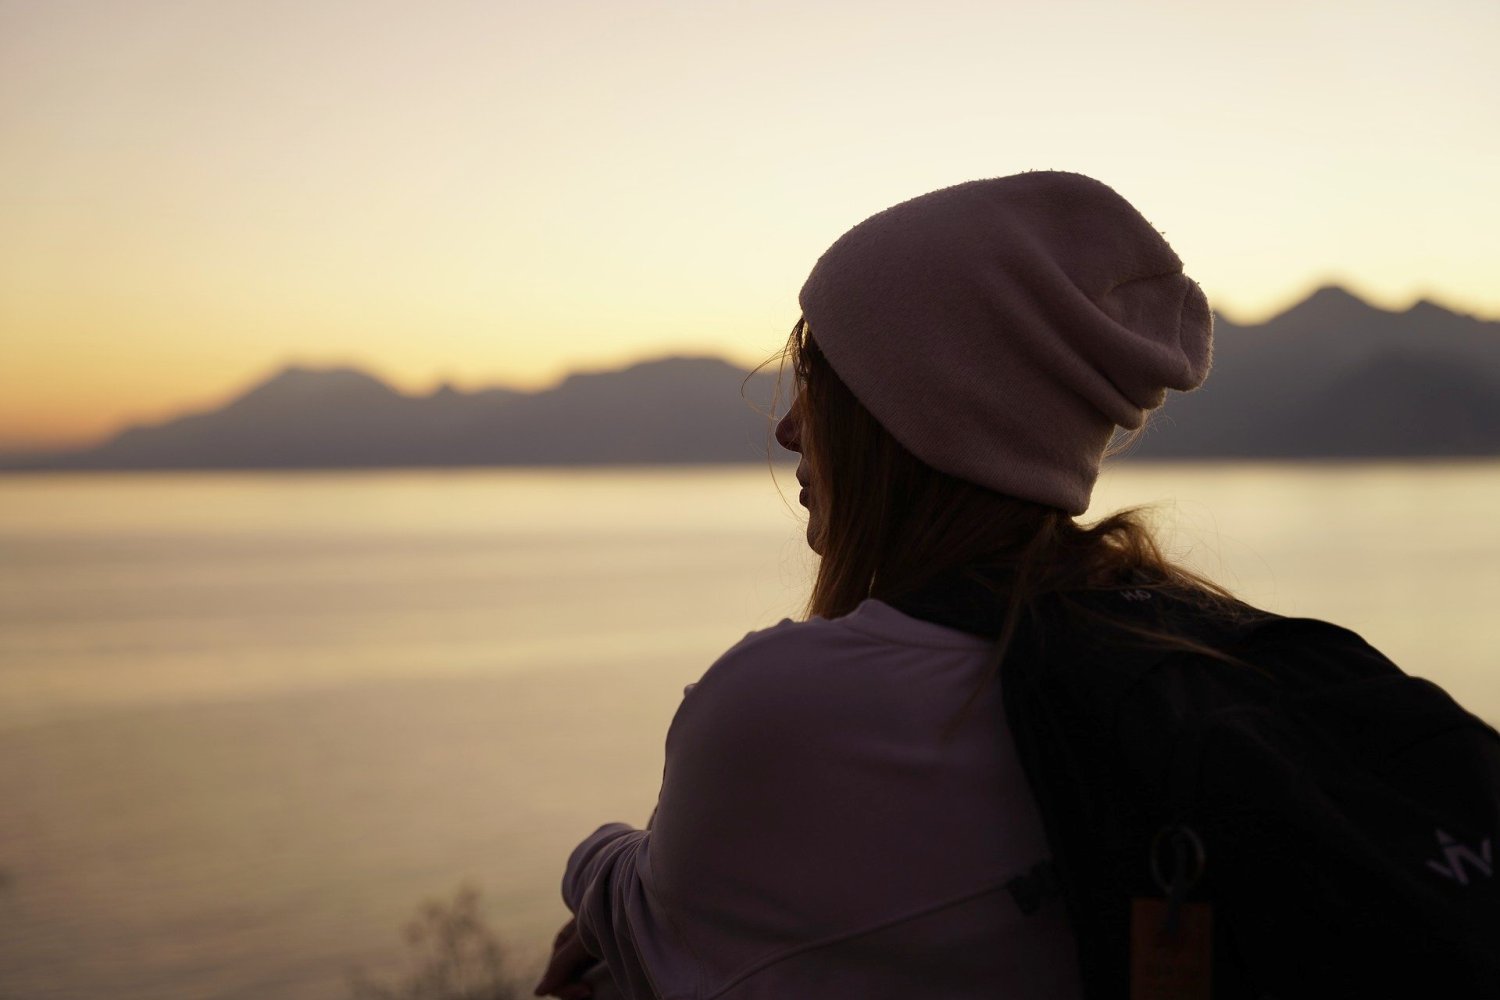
pixel 962 362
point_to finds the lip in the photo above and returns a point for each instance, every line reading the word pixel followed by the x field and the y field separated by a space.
pixel 802 497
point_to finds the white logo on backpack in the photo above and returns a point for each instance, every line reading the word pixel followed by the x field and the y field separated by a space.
pixel 1458 856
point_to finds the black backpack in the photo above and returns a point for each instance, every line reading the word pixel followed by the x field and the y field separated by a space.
pixel 1283 806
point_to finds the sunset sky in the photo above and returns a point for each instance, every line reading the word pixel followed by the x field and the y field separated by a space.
pixel 197 192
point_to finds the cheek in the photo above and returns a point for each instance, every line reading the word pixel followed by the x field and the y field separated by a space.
pixel 817 525
pixel 815 535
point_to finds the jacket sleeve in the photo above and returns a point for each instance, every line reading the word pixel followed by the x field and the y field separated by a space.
pixel 809 797
pixel 605 889
pixel 632 890
pixel 785 804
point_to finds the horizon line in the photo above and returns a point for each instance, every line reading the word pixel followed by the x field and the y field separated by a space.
pixel 580 367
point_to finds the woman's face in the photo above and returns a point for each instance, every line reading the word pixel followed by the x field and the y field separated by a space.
pixel 789 435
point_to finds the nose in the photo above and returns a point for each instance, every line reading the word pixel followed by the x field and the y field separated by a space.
pixel 789 428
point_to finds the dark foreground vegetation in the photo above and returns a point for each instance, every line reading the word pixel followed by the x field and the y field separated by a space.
pixel 453 954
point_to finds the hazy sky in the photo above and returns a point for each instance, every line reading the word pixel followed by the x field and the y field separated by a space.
pixel 195 192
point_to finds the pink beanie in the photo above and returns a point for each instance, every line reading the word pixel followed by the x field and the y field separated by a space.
pixel 1001 329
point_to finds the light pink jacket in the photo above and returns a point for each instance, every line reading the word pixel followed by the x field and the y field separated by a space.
pixel 816 836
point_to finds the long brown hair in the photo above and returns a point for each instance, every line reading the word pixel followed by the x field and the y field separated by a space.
pixel 892 523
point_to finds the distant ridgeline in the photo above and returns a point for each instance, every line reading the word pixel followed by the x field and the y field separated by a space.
pixel 1331 377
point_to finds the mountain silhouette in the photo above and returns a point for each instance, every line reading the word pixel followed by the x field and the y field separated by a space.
pixel 1428 406
pixel 1336 377
pixel 672 410
pixel 1330 377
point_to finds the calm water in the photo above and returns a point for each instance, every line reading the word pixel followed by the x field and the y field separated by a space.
pixel 249 721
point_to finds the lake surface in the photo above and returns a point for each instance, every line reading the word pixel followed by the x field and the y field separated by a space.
pixel 249 721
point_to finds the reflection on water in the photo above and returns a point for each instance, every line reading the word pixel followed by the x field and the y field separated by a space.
pixel 248 721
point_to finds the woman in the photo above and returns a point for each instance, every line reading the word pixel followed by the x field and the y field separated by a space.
pixel 844 812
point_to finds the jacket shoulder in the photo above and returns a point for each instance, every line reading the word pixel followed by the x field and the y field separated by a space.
pixel 788 669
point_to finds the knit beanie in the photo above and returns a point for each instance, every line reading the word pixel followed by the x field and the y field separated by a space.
pixel 1002 329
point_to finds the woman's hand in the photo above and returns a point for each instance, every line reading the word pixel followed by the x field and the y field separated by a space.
pixel 563 978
